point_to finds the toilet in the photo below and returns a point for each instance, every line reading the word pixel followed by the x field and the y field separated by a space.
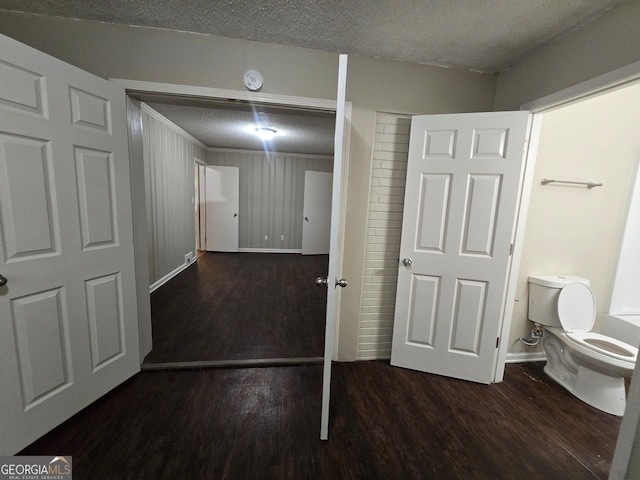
pixel 590 365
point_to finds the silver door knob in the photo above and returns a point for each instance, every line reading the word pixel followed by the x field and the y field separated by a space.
pixel 3 281
pixel 341 283
pixel 320 281
pixel 407 262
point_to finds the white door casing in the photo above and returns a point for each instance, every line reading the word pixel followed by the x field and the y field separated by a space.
pixel 202 203
pixel 68 315
pixel 334 248
pixel 222 206
pixel 316 225
pixel 463 178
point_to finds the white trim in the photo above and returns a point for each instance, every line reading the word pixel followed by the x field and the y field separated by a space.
pixel 169 124
pixel 191 90
pixel 170 275
pixel 518 243
pixel 269 250
pixel 615 79
pixel 526 357
pixel 262 152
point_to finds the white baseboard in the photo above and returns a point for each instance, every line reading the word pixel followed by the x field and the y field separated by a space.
pixel 270 250
pixel 525 357
pixel 170 275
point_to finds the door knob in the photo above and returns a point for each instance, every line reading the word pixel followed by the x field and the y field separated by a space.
pixel 341 283
pixel 306 219
pixel 3 281
pixel 320 281
pixel 235 215
pixel 407 262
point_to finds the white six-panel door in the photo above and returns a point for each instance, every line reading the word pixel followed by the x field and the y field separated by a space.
pixel 222 195
pixel 463 178
pixel 68 318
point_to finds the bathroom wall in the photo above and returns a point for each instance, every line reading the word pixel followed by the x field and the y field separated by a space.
pixel 169 187
pixel 573 229
pixel 271 195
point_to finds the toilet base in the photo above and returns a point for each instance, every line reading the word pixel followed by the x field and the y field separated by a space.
pixel 604 392
pixel 601 391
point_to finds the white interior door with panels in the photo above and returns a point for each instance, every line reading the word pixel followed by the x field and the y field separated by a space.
pixel 68 313
pixel 463 180
pixel 316 225
pixel 335 261
pixel 222 193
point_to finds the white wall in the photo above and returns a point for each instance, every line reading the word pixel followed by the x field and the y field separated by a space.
pixel 572 229
pixel 169 187
pixel 271 195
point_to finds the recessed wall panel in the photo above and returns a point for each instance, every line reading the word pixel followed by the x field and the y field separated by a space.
pixel 439 144
pixel 22 90
pixel 105 318
pixel 489 143
pixel 468 316
pixel 481 214
pixel 423 311
pixel 433 212
pixel 27 208
pixel 94 174
pixel 90 111
pixel 40 324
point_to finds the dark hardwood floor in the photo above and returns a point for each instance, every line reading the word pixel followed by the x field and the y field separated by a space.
pixel 234 306
pixel 386 423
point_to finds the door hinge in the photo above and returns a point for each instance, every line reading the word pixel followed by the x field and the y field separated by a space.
pixel 511 249
pixel 497 342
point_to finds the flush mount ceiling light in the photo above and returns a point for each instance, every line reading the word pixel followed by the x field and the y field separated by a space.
pixel 266 133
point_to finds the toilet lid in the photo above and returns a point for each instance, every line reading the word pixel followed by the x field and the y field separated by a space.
pixel 576 307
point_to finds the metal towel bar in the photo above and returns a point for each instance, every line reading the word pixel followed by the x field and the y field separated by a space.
pixel 545 181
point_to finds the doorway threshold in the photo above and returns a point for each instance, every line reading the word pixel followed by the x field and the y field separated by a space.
pixel 250 363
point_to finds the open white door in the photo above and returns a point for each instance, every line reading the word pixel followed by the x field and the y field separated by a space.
pixel 202 206
pixel 221 208
pixel 332 277
pixel 316 225
pixel 68 314
pixel 463 179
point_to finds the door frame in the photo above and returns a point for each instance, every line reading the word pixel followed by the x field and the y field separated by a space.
pixel 615 79
pixel 602 84
pixel 139 87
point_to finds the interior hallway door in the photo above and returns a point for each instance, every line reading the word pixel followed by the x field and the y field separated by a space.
pixel 68 310
pixel 222 193
pixel 463 181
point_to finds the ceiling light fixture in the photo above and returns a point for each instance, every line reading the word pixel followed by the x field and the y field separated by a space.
pixel 266 133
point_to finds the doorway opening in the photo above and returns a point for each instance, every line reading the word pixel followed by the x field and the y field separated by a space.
pixel 256 304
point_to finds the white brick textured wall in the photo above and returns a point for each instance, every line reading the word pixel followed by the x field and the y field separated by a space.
pixel 384 224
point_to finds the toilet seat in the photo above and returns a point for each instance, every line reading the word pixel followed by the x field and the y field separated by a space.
pixel 577 311
pixel 608 346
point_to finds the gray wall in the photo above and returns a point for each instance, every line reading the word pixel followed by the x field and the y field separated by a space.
pixel 119 51
pixel 271 195
pixel 608 43
pixel 169 187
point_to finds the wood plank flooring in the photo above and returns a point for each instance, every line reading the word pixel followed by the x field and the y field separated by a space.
pixel 386 423
pixel 235 306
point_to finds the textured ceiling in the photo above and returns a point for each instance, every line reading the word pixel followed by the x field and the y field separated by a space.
pixel 232 125
pixel 480 35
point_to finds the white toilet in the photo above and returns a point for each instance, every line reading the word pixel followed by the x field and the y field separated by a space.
pixel 590 365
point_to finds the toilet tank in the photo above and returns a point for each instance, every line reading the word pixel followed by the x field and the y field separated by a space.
pixel 543 297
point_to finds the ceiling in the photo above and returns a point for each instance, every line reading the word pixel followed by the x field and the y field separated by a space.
pixel 232 124
pixel 478 35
